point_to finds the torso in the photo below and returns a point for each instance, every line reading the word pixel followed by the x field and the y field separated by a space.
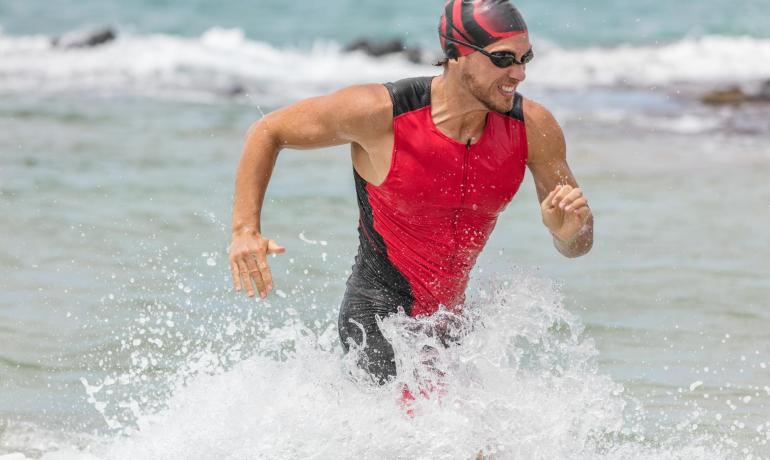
pixel 429 204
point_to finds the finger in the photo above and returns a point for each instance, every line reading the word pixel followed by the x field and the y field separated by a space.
pixel 236 276
pixel 548 201
pixel 583 213
pixel 255 272
pixel 563 191
pixel 246 279
pixel 275 248
pixel 577 204
pixel 570 197
pixel 264 271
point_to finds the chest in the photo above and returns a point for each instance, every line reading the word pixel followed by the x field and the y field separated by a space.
pixel 431 172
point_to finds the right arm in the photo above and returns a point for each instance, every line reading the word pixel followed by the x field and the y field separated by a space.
pixel 355 114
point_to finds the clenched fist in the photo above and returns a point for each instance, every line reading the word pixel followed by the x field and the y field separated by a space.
pixel 565 211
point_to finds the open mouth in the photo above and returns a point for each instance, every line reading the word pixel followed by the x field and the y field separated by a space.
pixel 507 90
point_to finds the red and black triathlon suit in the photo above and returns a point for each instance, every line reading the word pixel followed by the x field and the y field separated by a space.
pixel 422 229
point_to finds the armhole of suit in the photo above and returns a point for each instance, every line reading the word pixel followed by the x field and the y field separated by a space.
pixel 405 95
pixel 409 94
pixel 517 112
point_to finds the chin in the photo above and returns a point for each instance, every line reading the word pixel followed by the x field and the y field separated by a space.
pixel 499 106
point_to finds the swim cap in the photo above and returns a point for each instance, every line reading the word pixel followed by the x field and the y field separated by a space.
pixel 478 22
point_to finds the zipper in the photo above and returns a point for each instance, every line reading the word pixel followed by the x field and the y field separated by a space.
pixel 463 187
pixel 464 183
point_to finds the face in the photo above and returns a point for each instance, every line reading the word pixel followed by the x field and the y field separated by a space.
pixel 492 86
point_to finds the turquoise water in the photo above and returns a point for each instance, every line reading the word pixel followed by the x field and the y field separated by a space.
pixel 594 22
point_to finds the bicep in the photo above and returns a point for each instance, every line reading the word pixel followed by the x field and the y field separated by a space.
pixel 547 159
pixel 342 117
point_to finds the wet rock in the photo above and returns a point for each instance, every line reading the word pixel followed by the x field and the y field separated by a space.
pixel 85 38
pixel 731 95
pixel 378 49
pixel 234 90
pixel 734 95
pixel 415 55
pixel 764 92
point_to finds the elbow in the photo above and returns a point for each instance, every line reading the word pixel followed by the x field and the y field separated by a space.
pixel 261 133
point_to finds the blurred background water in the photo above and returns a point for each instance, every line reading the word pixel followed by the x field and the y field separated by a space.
pixel 120 337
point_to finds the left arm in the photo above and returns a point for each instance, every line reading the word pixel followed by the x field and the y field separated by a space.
pixel 564 209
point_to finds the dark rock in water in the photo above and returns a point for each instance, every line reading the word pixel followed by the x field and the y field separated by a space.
pixel 85 38
pixel 732 95
pixel 414 55
pixel 236 89
pixel 764 92
pixel 378 49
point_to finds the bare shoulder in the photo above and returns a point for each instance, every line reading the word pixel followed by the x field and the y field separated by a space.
pixel 366 112
pixel 351 114
pixel 372 99
pixel 545 137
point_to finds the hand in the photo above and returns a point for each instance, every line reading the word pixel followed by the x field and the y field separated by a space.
pixel 248 262
pixel 565 211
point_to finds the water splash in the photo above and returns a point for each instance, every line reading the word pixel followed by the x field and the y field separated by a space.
pixel 512 377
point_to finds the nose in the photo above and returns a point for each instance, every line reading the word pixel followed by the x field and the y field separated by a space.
pixel 518 72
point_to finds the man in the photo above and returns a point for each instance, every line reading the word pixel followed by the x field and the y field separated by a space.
pixel 435 160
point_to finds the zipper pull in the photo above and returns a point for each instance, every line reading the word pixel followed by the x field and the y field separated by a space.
pixel 468 144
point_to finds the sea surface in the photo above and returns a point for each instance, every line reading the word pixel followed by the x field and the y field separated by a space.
pixel 120 336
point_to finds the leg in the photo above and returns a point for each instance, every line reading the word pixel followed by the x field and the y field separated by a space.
pixel 378 357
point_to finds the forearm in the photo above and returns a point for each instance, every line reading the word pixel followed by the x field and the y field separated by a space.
pixel 254 170
pixel 579 245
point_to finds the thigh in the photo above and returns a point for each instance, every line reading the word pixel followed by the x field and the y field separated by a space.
pixel 358 324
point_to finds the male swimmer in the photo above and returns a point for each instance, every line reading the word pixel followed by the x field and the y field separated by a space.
pixel 435 161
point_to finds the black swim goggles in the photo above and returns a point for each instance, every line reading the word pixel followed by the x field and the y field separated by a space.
pixel 501 59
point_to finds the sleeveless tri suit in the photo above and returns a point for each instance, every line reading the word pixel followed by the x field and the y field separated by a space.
pixel 421 230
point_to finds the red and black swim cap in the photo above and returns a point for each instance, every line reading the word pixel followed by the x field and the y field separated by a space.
pixel 478 22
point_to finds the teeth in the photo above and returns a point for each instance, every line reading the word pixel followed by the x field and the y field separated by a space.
pixel 507 89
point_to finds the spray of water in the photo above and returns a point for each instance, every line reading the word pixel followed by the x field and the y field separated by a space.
pixel 513 376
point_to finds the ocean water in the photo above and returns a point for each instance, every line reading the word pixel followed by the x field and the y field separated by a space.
pixel 120 336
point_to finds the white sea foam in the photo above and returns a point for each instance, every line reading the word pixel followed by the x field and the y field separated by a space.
pixel 219 62
pixel 225 62
pixel 709 59
pixel 523 384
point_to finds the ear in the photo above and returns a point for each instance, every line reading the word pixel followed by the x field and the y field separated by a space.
pixel 452 52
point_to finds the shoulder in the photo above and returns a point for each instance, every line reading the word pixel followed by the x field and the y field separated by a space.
pixel 370 101
pixel 409 94
pixel 545 137
pixel 352 113
pixel 352 102
pixel 539 118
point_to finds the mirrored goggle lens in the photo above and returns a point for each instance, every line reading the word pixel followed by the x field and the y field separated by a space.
pixel 508 59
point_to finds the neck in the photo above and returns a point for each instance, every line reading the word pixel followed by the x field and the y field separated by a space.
pixel 455 111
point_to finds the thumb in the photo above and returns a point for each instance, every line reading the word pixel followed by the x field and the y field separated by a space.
pixel 546 203
pixel 275 248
